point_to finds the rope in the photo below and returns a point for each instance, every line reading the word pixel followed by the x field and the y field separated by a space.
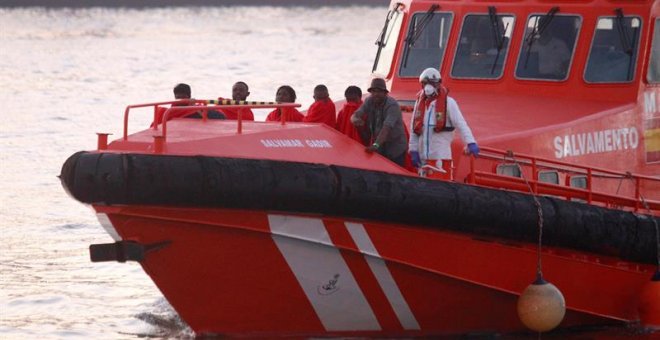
pixel 537 203
pixel 620 182
pixel 655 224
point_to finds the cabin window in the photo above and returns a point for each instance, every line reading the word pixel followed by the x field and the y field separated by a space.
pixel 425 43
pixel 613 50
pixel 653 75
pixel 547 48
pixel 578 181
pixel 507 169
pixel 387 42
pixel 549 176
pixel 482 46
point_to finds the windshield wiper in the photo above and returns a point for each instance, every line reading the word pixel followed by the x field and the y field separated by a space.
pixel 384 35
pixel 498 36
pixel 416 32
pixel 538 30
pixel 627 43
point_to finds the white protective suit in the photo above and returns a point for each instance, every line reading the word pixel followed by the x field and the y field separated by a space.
pixel 433 145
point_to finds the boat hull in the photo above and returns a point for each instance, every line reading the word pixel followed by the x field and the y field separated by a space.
pixel 254 272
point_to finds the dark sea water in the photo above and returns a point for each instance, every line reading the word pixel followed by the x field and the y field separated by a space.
pixel 69 73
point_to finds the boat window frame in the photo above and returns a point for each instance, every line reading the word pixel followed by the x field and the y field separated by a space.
pixel 655 45
pixel 573 49
pixel 387 66
pixel 506 55
pixel 404 47
pixel 593 40
pixel 578 181
pixel 541 176
pixel 508 169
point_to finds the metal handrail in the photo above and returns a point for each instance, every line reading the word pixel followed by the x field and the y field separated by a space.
pixel 205 109
pixel 539 187
pixel 155 104
pixel 201 105
pixel 564 165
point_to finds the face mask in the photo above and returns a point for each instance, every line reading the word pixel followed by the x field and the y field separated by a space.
pixel 430 90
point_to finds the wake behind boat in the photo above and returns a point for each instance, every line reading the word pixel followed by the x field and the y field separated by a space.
pixel 292 229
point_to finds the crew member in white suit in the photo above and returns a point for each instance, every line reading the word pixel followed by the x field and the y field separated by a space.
pixel 434 119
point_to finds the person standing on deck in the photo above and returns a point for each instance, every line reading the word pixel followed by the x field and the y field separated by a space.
pixel 434 119
pixel 323 109
pixel 353 95
pixel 382 116
pixel 285 94
pixel 239 92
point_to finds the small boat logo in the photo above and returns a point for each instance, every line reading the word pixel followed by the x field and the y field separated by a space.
pixel 329 287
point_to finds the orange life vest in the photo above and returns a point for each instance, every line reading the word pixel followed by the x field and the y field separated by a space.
pixel 440 112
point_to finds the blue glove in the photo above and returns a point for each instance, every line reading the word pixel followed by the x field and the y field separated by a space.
pixel 414 157
pixel 473 149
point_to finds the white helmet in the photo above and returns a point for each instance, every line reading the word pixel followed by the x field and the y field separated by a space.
pixel 430 75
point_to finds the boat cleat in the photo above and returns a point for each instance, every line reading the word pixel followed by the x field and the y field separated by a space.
pixel 123 251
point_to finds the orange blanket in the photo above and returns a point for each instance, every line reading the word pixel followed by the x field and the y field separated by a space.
pixel 322 111
pixel 290 115
pixel 344 124
pixel 246 113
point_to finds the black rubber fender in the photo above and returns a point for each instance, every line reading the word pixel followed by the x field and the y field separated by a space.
pixel 202 181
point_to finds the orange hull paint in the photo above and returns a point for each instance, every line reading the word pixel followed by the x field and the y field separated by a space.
pixel 224 274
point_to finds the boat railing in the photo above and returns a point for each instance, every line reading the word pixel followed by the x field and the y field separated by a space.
pixel 528 178
pixel 198 105
pixel 155 105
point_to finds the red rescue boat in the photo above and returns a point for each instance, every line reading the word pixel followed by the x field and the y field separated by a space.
pixel 254 228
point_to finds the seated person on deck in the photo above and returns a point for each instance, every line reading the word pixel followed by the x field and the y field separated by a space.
pixel 323 109
pixel 181 92
pixel 239 92
pixel 285 94
pixel 353 96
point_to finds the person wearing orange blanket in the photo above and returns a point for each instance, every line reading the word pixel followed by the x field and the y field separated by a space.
pixel 285 94
pixel 323 109
pixel 353 96
pixel 239 92
pixel 181 92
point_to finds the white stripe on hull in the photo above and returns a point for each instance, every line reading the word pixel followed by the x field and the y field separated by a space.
pixel 107 225
pixel 383 275
pixel 322 273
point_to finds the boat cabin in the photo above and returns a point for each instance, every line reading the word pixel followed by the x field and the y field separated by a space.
pixel 533 74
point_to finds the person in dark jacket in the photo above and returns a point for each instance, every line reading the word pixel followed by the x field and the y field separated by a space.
pixel 382 116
